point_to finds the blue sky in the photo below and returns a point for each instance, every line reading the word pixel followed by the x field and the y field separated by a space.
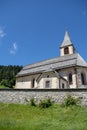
pixel 33 30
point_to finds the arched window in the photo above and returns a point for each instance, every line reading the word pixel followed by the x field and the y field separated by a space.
pixel 70 78
pixel 83 78
pixel 33 83
pixel 47 76
pixel 63 86
pixel 66 50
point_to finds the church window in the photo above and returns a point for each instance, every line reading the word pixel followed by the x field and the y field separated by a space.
pixel 62 85
pixel 33 83
pixel 66 50
pixel 47 76
pixel 70 78
pixel 47 84
pixel 82 78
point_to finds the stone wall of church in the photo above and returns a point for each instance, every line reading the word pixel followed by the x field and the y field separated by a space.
pixel 65 74
pixel 63 84
pixel 23 82
pixel 26 81
pixel 55 82
pixel 57 95
pixel 49 76
pixel 79 79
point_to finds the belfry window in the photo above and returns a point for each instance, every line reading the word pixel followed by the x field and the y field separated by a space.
pixel 70 78
pixel 82 78
pixel 66 50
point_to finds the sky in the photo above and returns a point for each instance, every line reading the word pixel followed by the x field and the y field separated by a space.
pixel 33 30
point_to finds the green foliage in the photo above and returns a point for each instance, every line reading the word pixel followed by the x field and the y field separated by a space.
pixel 69 100
pixel 7 75
pixel 45 103
pixel 32 102
pixel 8 83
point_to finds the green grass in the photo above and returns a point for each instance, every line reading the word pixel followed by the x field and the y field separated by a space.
pixel 2 86
pixel 25 117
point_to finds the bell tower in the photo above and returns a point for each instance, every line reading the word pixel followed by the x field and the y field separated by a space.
pixel 66 47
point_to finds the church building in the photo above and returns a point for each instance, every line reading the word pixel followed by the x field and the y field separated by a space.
pixel 69 70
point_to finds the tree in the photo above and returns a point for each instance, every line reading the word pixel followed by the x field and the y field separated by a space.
pixel 8 75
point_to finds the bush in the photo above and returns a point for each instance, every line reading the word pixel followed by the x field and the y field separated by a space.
pixel 45 103
pixel 32 102
pixel 69 100
pixel 7 83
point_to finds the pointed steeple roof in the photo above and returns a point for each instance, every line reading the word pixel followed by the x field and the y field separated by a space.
pixel 66 41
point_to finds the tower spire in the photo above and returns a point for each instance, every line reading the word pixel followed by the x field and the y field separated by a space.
pixel 66 41
pixel 66 46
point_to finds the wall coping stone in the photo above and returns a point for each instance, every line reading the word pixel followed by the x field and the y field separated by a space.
pixel 45 90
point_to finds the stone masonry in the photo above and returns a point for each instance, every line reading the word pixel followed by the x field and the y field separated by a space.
pixel 23 96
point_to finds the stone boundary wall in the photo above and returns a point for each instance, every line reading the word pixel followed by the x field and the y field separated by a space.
pixel 23 96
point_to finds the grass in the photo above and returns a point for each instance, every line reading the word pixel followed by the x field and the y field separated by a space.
pixel 1 86
pixel 25 117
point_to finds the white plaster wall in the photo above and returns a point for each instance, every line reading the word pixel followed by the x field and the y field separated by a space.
pixel 41 83
pixel 54 82
pixel 65 72
pixel 26 82
pixel 79 71
pixel 63 82
pixel 23 82
pixel 62 52
pixel 70 49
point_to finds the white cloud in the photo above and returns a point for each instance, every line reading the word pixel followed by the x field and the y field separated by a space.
pixel 2 33
pixel 14 48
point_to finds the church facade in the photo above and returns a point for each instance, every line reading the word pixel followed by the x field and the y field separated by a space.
pixel 69 70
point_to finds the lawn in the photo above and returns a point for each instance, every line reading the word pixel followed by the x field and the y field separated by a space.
pixel 2 86
pixel 25 117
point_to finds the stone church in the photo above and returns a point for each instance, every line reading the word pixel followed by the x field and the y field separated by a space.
pixel 69 70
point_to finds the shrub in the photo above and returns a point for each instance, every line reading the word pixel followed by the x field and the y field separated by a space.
pixel 32 102
pixel 69 100
pixel 7 83
pixel 45 103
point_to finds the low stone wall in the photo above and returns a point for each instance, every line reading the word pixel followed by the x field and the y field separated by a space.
pixel 57 95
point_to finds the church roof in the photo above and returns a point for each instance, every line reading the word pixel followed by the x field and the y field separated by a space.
pixel 66 41
pixel 53 64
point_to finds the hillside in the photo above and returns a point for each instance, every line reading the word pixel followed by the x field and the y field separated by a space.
pixel 25 117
